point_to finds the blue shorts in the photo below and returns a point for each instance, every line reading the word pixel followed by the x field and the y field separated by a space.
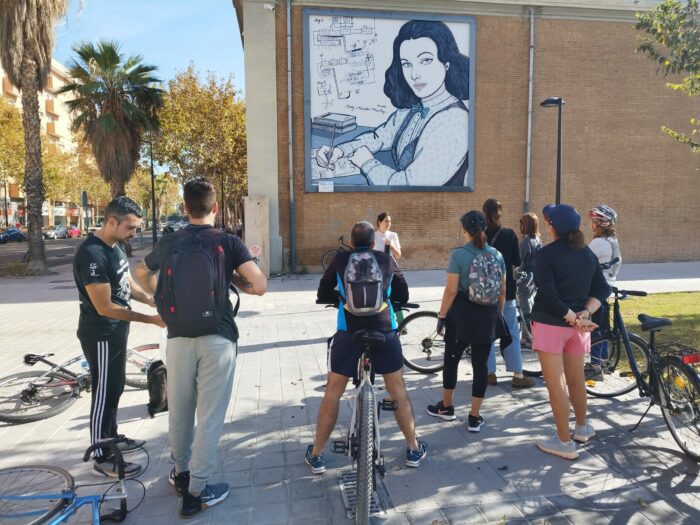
pixel 344 354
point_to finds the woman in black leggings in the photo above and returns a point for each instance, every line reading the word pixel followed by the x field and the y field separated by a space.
pixel 465 322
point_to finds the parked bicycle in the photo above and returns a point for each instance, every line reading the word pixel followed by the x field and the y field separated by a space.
pixel 330 254
pixel 40 394
pixel 661 372
pixel 33 494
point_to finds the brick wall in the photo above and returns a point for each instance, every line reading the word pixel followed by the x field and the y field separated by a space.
pixel 613 151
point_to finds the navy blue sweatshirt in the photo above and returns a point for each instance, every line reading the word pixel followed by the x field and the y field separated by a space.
pixel 566 278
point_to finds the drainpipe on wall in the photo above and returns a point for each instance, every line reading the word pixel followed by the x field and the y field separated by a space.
pixel 528 170
pixel 292 216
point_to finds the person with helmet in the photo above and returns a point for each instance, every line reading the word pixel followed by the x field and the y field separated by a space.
pixel 606 248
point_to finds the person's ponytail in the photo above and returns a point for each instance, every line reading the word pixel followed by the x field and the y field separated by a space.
pixel 576 239
pixel 479 239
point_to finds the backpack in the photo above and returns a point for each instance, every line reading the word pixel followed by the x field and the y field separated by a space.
pixel 191 295
pixel 364 284
pixel 157 378
pixel 485 276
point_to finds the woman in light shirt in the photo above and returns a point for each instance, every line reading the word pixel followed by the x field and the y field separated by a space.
pixel 384 239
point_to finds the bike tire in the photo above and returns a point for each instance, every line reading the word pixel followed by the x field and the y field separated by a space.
pixel 617 377
pixel 32 480
pixel 138 361
pixel 327 258
pixel 681 408
pixel 423 349
pixel 365 454
pixel 63 388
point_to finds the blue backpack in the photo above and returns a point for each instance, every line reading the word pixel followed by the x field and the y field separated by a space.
pixel 192 294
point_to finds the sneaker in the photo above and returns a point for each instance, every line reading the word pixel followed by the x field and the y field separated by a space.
pixel 441 411
pixel 415 457
pixel 555 446
pixel 523 382
pixel 583 433
pixel 593 373
pixel 210 496
pixel 317 463
pixel 129 444
pixel 475 423
pixel 180 481
pixel 492 379
pixel 109 468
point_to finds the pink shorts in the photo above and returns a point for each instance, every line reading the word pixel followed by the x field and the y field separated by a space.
pixel 560 339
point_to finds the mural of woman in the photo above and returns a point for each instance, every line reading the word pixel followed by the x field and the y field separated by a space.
pixel 427 135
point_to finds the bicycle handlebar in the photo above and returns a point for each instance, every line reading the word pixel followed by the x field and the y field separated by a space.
pixel 624 293
pixel 111 445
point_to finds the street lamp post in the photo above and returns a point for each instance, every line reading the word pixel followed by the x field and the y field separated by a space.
pixel 153 199
pixel 550 103
pixel 4 198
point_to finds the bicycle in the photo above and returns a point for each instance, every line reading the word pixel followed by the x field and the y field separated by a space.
pixel 46 494
pixel 330 254
pixel 40 394
pixel 661 372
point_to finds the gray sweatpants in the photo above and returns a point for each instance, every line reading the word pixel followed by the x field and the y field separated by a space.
pixel 200 379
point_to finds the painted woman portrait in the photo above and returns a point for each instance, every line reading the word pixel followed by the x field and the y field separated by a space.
pixel 428 134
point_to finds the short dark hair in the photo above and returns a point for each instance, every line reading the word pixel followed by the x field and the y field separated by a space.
pixel 381 217
pixel 200 197
pixel 492 211
pixel 362 235
pixel 120 207
pixel 456 77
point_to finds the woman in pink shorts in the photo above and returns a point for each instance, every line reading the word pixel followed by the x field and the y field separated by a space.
pixel 570 287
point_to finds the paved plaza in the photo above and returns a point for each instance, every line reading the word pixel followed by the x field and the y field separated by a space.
pixel 496 476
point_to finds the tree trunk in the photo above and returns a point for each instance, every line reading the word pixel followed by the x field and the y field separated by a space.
pixel 33 185
pixel 117 187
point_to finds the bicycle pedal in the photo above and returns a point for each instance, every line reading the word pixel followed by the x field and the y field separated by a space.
pixel 388 404
pixel 339 447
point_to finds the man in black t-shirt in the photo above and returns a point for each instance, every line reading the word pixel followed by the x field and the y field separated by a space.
pixel 201 368
pixel 105 289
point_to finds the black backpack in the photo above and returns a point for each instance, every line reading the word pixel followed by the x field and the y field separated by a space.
pixel 157 377
pixel 192 294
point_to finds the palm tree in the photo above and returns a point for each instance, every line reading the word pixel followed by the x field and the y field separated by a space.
pixel 26 44
pixel 116 102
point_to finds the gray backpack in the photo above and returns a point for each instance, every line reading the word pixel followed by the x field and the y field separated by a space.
pixel 364 284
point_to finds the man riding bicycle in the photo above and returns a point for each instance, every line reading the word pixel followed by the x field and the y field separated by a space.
pixel 367 282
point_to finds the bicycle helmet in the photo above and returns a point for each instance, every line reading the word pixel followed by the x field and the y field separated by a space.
pixel 603 215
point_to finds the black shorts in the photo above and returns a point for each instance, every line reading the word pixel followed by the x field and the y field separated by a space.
pixel 344 354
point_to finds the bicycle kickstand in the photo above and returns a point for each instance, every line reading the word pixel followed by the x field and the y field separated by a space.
pixel 635 427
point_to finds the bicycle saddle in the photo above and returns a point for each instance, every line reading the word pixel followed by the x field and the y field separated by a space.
pixel 371 337
pixel 653 323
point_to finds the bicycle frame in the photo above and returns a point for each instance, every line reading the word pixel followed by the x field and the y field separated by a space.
pixel 364 367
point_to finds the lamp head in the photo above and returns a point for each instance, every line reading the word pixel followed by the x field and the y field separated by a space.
pixel 552 102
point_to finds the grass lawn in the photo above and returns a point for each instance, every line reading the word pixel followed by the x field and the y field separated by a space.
pixel 683 308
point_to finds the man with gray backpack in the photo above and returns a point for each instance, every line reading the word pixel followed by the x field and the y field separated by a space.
pixel 195 267
pixel 368 282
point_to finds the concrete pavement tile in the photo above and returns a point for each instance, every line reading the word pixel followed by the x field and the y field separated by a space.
pixel 498 511
pixel 427 517
pixel 535 508
pixel 587 517
pixel 270 513
pixel 272 493
pixel 305 488
pixel 566 503
pixel 306 521
pixel 393 519
pixel 239 516
pixel 662 512
pixel 631 517
pixel 237 464
pixel 271 459
pixel 465 515
pixel 558 519
pixel 242 478
pixel 240 497
pixel 266 476
pixel 307 508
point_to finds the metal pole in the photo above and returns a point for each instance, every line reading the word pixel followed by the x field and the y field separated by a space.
pixel 7 222
pixel 223 205
pixel 558 196
pixel 153 199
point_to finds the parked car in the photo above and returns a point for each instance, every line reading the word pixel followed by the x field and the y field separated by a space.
pixel 12 234
pixel 73 231
pixel 94 227
pixel 56 232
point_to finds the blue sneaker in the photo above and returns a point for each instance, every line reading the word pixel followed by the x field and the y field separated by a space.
pixel 317 463
pixel 415 457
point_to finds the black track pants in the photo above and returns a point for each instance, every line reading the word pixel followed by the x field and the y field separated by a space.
pixel 107 360
pixel 480 354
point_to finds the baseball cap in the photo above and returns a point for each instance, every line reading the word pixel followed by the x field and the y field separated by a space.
pixel 562 217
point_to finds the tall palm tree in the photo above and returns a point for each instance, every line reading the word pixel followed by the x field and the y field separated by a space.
pixel 26 44
pixel 116 102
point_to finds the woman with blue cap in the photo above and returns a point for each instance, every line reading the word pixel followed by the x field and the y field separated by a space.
pixel 570 288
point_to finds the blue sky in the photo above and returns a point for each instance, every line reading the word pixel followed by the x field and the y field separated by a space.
pixel 167 33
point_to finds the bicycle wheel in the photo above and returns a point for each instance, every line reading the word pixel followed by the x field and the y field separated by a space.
pixel 615 376
pixel 327 258
pixel 679 399
pixel 138 360
pixel 423 348
pixel 32 481
pixel 35 395
pixel 365 450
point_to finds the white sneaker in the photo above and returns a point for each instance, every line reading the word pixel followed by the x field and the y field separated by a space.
pixel 555 446
pixel 583 433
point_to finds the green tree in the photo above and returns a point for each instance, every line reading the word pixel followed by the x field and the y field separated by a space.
pixel 672 39
pixel 203 133
pixel 26 45
pixel 115 102
pixel 11 147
